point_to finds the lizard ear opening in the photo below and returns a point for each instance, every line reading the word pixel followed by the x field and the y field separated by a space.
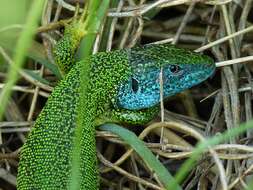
pixel 135 85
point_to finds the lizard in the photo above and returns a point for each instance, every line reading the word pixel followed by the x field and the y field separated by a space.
pixel 123 86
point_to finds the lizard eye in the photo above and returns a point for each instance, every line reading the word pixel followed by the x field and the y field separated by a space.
pixel 175 69
pixel 135 85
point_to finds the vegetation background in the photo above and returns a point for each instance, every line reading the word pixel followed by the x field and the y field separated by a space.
pixel 221 29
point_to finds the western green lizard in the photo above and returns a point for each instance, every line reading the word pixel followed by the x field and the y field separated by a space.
pixel 123 86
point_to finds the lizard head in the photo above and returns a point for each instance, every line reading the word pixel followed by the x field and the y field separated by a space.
pixel 182 69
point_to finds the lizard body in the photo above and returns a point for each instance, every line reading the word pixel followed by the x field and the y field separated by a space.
pixel 123 85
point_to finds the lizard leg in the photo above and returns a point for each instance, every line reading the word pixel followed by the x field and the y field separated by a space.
pixel 134 117
pixel 65 49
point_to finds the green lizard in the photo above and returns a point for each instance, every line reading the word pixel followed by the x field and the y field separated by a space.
pixel 123 86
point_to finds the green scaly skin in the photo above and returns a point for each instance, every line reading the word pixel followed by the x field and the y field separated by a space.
pixel 68 44
pixel 56 123
pixel 45 161
pixel 50 140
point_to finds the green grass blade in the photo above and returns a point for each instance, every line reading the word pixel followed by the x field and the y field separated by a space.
pixel 95 19
pixel 107 28
pixel 138 145
pixel 36 53
pixel 53 68
pixel 21 49
pixel 250 185
pixel 36 76
pixel 203 146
